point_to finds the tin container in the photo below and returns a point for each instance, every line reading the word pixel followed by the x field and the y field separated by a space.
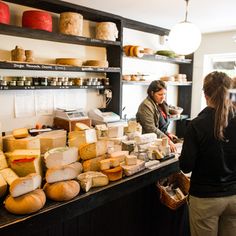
pixel 28 83
pixel 59 83
pixel 3 82
pixel 13 83
pixel 36 81
pixel 20 83
pixel 44 81
pixel 53 83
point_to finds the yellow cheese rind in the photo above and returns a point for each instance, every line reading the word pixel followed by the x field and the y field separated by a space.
pixel 20 133
pixel 114 173
pixel 93 164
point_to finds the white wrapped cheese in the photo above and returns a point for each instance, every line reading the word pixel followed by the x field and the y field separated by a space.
pixel 145 138
pixel 132 169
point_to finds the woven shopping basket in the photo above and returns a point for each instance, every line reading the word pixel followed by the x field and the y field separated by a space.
pixel 179 180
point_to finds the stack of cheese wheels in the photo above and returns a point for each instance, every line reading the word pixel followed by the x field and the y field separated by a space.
pixel 133 51
pixel 106 31
pixel 111 166
pixel 25 196
pixel 4 13
pixel 96 63
pixel 71 23
pixel 35 19
pixel 63 168
pixel 69 61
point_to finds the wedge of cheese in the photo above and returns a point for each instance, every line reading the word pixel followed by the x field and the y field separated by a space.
pixel 3 186
pixel 20 133
pixel 81 126
pixel 105 164
pixel 91 179
pixel 9 175
pixel 25 185
pixel 25 162
pixel 58 157
pixel 10 143
pixel 79 138
pixel 66 172
pixel 52 139
pixel 120 155
pixel 130 160
pixel 132 169
pixel 93 164
pixel 89 151
pixel 3 161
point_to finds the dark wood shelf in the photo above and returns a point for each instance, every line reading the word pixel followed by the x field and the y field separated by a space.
pixel 55 37
pixel 146 83
pixel 100 87
pixel 53 212
pixel 49 67
pixel 162 59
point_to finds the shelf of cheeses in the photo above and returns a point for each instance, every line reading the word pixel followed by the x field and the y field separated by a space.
pixel 44 167
pixel 147 82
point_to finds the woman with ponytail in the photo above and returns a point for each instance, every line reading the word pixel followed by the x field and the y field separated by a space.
pixel 209 152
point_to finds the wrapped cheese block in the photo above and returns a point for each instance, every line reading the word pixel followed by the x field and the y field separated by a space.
pixel 27 203
pixel 92 179
pixel 89 151
pixel 3 161
pixel 96 63
pixel 114 173
pixel 4 13
pixel 69 61
pixel 71 23
pixel 132 169
pixel 93 164
pixel 58 157
pixel 106 31
pixel 35 19
pixel 62 191
pixel 3 186
pixel 9 175
pixel 52 139
pixel 66 172
pixel 10 143
pixel 24 162
pixel 25 185
pixel 20 133
pixel 79 138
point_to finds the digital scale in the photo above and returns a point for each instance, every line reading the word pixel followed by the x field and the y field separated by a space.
pixel 71 114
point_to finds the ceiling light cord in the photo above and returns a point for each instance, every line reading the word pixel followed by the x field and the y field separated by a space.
pixel 186 11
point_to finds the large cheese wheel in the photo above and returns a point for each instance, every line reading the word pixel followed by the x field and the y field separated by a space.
pixel 71 23
pixel 106 31
pixel 114 173
pixel 27 203
pixel 62 191
pixel 4 13
pixel 37 20
pixel 69 61
pixel 96 63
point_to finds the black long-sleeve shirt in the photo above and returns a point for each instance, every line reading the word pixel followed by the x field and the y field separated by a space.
pixel 212 162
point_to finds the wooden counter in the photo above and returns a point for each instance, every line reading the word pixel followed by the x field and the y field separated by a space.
pixel 98 212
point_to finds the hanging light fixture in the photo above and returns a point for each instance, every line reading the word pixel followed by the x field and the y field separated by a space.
pixel 185 37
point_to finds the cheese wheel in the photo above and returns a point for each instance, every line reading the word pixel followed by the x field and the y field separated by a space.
pixel 126 49
pixel 105 164
pixel 138 51
pixel 69 61
pixel 20 133
pixel 106 31
pixel 66 172
pixel 97 63
pixel 37 20
pixel 27 203
pixel 62 191
pixel 114 173
pixel 71 23
pixel 25 184
pixel 4 13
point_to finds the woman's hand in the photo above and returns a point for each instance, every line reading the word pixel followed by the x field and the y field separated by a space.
pixel 172 146
pixel 172 136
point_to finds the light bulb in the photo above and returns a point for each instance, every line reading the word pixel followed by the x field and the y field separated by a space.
pixel 184 38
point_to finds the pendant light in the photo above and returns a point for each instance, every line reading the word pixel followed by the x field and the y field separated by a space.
pixel 185 37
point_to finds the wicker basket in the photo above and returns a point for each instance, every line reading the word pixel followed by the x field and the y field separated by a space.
pixel 182 182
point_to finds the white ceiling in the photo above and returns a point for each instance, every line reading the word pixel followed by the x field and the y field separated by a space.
pixel 208 15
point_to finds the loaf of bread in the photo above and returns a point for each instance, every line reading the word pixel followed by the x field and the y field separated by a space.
pixel 25 184
pixel 27 203
pixel 114 173
pixel 66 172
pixel 62 191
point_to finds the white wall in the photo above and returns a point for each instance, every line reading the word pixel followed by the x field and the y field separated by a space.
pixel 214 43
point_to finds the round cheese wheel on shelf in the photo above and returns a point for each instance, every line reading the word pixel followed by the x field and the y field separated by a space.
pixel 114 173
pixel 97 63
pixel 106 31
pixel 62 191
pixel 27 203
pixel 71 23
pixel 69 61
pixel 4 13
pixel 37 20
